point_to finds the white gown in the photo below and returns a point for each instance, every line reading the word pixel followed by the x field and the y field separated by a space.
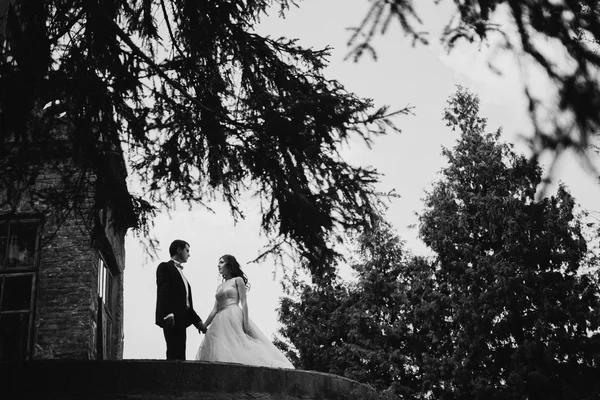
pixel 225 340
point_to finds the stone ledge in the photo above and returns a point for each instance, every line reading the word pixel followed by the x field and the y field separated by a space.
pixel 160 380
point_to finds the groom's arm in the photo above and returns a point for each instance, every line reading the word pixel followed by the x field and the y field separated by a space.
pixel 163 285
pixel 197 321
pixel 195 318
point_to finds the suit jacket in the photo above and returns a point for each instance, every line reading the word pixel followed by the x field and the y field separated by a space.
pixel 170 297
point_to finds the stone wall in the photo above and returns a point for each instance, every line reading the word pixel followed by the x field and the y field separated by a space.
pixel 66 298
pixel 66 312
pixel 182 380
pixel 119 333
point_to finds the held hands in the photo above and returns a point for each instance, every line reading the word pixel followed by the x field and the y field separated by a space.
pixel 201 328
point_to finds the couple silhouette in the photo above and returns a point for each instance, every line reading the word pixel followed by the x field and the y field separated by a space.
pixel 230 335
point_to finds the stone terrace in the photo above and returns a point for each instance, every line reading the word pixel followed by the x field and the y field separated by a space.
pixel 181 380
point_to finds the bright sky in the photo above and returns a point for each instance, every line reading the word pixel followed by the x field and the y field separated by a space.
pixel 423 77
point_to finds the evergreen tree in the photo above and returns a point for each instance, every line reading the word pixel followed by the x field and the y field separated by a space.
pixel 515 306
pixel 357 330
pixel 508 307
pixel 202 105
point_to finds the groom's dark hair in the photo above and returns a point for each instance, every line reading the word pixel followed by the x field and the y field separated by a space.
pixel 176 245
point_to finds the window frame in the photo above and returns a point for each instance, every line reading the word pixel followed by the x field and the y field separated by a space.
pixel 7 273
pixel 106 307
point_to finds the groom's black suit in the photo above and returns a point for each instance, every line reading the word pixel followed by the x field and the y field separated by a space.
pixel 171 299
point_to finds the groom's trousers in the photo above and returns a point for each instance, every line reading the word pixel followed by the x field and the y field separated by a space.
pixel 175 337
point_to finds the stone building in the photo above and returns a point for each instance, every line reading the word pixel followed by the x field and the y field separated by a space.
pixel 62 259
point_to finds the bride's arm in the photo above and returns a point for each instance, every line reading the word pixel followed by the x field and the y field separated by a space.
pixel 211 315
pixel 241 288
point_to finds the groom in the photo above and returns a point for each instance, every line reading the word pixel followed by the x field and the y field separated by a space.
pixel 174 308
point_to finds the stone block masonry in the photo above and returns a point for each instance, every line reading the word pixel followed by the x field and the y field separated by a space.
pixel 67 296
pixel 182 380
pixel 73 240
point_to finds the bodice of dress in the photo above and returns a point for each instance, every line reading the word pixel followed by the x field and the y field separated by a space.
pixel 227 295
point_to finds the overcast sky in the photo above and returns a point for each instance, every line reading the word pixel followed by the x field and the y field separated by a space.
pixel 423 77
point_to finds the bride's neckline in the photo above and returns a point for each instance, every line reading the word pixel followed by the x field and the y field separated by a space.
pixel 222 284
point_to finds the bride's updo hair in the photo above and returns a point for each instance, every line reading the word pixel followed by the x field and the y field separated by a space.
pixel 235 269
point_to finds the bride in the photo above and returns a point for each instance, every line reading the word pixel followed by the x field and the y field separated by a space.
pixel 232 336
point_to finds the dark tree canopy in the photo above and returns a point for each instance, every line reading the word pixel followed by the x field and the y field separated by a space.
pixel 201 105
pixel 357 330
pixel 517 303
pixel 508 306
pixel 571 26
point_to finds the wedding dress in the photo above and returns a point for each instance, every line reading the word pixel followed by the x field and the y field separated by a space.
pixel 226 341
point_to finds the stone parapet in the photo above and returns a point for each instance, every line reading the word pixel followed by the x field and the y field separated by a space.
pixel 161 380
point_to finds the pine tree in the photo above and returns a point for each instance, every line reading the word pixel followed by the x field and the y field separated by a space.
pixel 358 330
pixel 515 309
pixel 202 105
pixel 508 307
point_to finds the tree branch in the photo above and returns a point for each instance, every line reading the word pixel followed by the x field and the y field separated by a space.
pixel 138 52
